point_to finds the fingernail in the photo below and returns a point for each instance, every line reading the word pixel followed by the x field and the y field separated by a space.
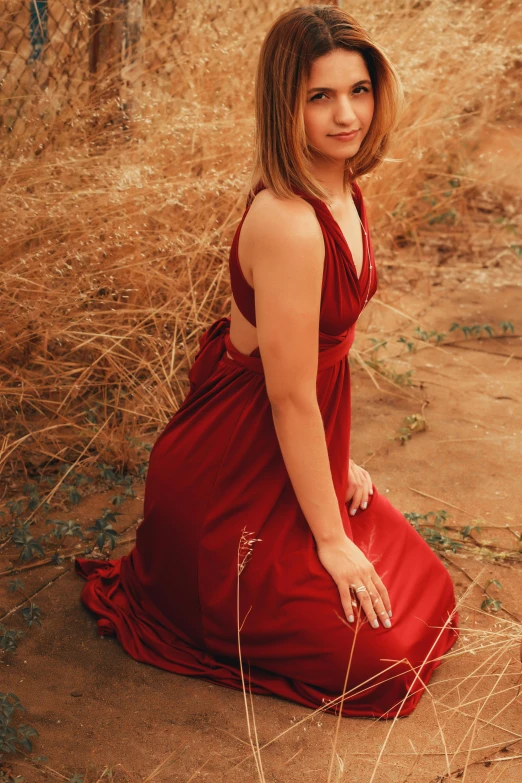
pixel 387 624
pixel 364 504
pixel 371 492
pixel 375 623
pixel 352 512
pixel 351 618
pixel 390 613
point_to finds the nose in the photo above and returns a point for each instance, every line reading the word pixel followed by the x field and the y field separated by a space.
pixel 344 113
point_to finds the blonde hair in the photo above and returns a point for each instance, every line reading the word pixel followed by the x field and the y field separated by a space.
pixel 293 42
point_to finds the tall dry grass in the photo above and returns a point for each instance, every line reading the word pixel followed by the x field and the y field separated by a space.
pixel 115 231
pixel 115 227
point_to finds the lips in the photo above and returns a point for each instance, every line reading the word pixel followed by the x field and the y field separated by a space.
pixel 347 135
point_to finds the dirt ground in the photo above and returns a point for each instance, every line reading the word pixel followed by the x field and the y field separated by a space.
pixel 96 709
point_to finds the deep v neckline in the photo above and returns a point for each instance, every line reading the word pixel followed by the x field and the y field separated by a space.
pixel 364 261
pixel 365 265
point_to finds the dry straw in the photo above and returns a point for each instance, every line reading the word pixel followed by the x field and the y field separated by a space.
pixel 465 708
pixel 115 234
pixel 115 241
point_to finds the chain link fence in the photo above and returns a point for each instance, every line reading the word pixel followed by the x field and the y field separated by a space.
pixel 57 56
pixel 44 55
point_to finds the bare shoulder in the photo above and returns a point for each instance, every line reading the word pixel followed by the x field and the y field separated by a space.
pixel 275 222
pixel 285 249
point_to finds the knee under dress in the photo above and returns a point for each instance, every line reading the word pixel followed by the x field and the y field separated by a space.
pixel 217 479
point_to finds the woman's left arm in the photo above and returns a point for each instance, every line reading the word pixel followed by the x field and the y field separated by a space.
pixel 359 487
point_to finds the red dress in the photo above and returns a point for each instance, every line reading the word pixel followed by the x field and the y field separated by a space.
pixel 215 472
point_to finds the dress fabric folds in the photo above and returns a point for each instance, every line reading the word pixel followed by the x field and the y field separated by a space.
pixel 219 501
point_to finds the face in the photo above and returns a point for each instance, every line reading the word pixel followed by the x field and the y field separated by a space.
pixel 339 99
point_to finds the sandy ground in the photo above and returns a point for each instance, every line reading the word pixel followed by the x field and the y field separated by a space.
pixel 95 707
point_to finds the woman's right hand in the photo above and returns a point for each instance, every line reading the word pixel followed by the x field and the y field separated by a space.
pixel 347 565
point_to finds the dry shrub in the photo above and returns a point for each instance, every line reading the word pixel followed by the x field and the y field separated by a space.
pixel 118 215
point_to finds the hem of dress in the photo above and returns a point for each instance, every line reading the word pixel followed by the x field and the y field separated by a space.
pixel 190 661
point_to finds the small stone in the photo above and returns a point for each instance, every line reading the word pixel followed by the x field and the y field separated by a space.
pixel 76 693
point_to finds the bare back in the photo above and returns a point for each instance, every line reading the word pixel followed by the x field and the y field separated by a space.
pixel 242 333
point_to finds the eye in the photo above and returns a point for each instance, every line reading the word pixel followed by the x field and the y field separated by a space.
pixel 361 87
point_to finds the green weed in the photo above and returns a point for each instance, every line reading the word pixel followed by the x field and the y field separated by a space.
pixel 104 530
pixel 410 426
pixel 441 535
pixel 490 604
pixel 383 367
pixel 11 736
pixel 20 514
pixel 435 531
pixel 446 215
pixel 479 329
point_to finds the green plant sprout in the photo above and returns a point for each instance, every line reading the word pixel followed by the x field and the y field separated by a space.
pixel 435 529
pixel 9 638
pixel 28 545
pixel 18 529
pixel 410 425
pixel 17 516
pixel 435 534
pixel 448 215
pixel 63 529
pixel 410 345
pixel 490 604
pixel 477 329
pixel 421 334
pixel 11 736
pixel 104 530
pixel 425 336
pixel 380 365
pixel 32 613
pixel 439 338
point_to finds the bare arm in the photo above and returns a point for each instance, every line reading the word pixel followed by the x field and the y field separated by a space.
pixel 287 267
pixel 286 250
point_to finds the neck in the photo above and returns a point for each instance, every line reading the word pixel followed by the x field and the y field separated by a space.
pixel 331 175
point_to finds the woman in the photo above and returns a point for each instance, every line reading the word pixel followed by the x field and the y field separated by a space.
pixel 255 517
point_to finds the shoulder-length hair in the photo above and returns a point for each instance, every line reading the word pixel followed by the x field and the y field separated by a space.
pixel 281 151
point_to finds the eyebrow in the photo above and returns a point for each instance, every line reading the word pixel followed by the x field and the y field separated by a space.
pixel 329 89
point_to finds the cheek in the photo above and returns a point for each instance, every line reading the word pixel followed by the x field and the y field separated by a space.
pixel 369 110
pixel 312 123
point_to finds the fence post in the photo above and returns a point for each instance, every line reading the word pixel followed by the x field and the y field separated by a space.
pixel 105 23
pixel 114 53
pixel 38 31
pixel 94 39
pixel 131 53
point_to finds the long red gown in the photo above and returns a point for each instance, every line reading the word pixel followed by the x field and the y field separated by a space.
pixel 217 472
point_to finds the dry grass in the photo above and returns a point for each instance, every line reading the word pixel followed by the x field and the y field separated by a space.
pixel 472 725
pixel 115 243
pixel 115 234
pixel 494 673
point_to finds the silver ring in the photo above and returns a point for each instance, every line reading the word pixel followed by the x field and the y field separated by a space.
pixel 359 589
